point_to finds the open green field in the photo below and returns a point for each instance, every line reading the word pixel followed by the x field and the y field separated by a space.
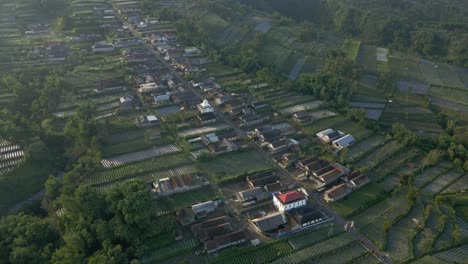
pixel 232 165
pixel 358 199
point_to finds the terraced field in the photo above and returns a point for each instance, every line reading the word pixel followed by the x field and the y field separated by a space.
pixel 431 173
pixel 156 255
pixel 312 252
pixel 400 236
pixel 379 154
pixel 454 255
pixel 138 156
pixel 458 186
pixel 262 254
pixel 442 181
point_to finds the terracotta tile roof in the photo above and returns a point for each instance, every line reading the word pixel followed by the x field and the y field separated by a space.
pixel 290 197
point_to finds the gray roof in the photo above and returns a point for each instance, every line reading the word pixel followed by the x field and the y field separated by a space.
pixel 270 222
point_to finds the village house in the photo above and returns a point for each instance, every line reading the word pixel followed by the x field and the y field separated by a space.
pixel 270 223
pixel 356 180
pixel 252 196
pixel 285 129
pixel 301 117
pixel 206 118
pixel 336 193
pixel 212 228
pixel 192 51
pixel 205 107
pixel 251 120
pixel 259 105
pixel 261 179
pixel 162 98
pixel 103 46
pixel 110 86
pixel 126 102
pixel 147 121
pixel 281 145
pixel 330 174
pixel 343 142
pixel 201 210
pixel 225 241
pixel 309 216
pixel 234 107
pixel 329 135
pixel 287 159
pixel 182 183
pixel 290 200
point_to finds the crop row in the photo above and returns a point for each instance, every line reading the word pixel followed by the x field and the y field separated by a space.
pixel 143 167
pixel 139 155
pixel 316 250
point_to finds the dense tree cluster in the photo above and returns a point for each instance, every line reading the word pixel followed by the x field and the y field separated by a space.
pixel 84 227
pixel 430 28
pixel 335 83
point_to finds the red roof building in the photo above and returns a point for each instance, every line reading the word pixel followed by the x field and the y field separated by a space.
pixel 289 200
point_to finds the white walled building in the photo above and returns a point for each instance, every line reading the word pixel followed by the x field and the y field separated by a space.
pixel 290 200
pixel 205 107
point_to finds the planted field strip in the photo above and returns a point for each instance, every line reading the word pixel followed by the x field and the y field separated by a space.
pixel 429 174
pixel 295 101
pixel 190 258
pixel 140 168
pixel 379 154
pixel 319 125
pixel 367 105
pixel 9 148
pixel 11 155
pixel 344 255
pixel 301 107
pixel 140 155
pixel 394 162
pixel 463 226
pixel 151 256
pixel 150 177
pixel 445 237
pixel 313 237
pixel 366 259
pixel 297 68
pixel 392 204
pixel 430 73
pixel 309 253
pixel 356 151
pixel 400 236
pixel 456 95
pixel 316 115
pixel 202 130
pixel 429 260
pixel 454 255
pixel 442 181
pixel 182 200
pixel 262 254
pixel 458 186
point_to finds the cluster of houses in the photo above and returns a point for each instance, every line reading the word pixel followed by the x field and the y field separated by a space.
pixel 211 226
pixel 291 209
pixel 222 143
pixel 183 183
pixel 339 180
pixel 335 138
pixel 50 52
pixel 276 140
